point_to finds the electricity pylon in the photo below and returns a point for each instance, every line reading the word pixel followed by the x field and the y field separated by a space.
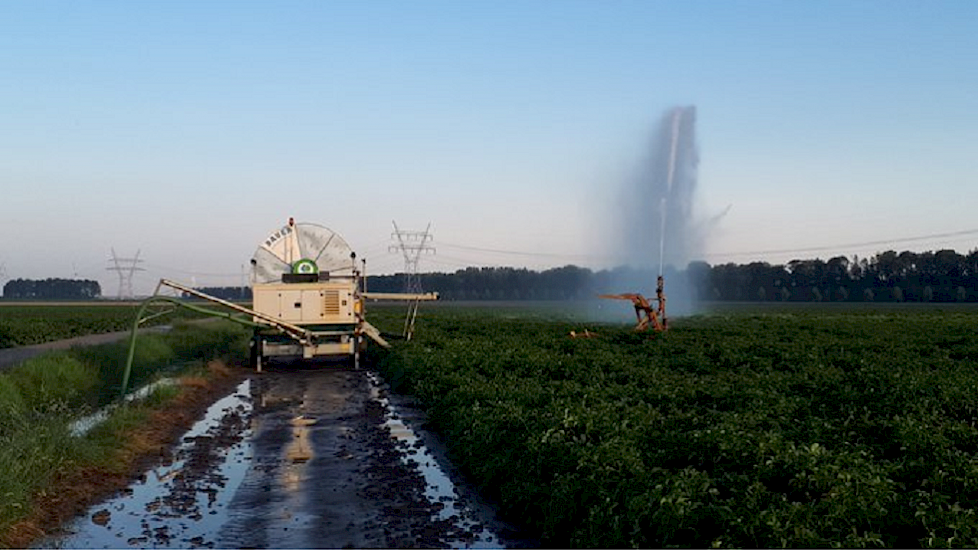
pixel 411 244
pixel 126 268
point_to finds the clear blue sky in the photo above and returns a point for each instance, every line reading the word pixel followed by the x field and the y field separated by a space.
pixel 189 130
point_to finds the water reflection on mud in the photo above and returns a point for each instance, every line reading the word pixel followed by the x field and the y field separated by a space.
pixel 170 507
pixel 296 459
pixel 464 511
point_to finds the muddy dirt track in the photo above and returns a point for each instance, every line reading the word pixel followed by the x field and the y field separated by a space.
pixel 298 457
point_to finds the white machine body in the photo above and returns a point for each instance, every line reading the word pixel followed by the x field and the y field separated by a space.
pixel 305 274
pixel 326 303
pixel 308 297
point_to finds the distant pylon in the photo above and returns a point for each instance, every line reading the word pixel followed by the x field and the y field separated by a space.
pixel 126 268
pixel 411 244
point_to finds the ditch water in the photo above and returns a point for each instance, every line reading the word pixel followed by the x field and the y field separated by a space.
pixel 159 510
pixel 81 426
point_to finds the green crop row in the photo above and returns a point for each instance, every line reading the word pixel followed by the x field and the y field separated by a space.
pixel 835 428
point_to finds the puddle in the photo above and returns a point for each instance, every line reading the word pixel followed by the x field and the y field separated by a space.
pixel 470 517
pixel 187 503
pixel 177 505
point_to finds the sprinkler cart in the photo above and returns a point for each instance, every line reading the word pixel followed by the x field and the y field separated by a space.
pixel 309 297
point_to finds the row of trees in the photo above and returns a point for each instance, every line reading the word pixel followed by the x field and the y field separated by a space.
pixel 51 289
pixel 506 283
pixel 941 276
pixel 496 283
pixel 232 293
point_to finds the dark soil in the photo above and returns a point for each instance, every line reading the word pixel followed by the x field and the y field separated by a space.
pixel 326 472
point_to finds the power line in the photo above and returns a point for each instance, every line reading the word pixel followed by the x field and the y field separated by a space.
pixel 524 252
pixel 411 245
pixel 819 248
pixel 837 247
pixel 377 246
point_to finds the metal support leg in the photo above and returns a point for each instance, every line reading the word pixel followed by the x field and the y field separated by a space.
pixel 356 350
pixel 412 314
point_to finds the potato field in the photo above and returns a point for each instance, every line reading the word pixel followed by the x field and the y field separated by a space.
pixel 24 325
pixel 802 427
pixel 834 425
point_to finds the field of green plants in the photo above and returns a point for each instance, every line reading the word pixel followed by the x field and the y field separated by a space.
pixel 23 325
pixel 773 428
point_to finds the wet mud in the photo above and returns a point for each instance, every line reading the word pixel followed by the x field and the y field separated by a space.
pixel 297 457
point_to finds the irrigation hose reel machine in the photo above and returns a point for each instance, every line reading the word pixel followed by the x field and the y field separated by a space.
pixel 306 275
pixel 309 299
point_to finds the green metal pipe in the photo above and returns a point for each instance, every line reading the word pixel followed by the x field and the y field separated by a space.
pixel 155 315
pixel 139 320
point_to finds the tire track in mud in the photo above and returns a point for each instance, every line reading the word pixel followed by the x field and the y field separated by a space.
pixel 309 463
pixel 310 483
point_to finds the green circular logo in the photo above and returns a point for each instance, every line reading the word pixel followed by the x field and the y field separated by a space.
pixel 305 267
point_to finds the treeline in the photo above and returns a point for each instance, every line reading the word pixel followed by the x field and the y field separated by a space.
pixel 233 293
pixel 498 283
pixel 51 289
pixel 941 276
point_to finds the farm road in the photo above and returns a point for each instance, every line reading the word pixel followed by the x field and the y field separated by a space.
pixel 12 356
pixel 323 473
pixel 301 457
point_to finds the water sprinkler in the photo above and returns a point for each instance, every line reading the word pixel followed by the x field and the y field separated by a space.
pixel 645 314
pixel 660 295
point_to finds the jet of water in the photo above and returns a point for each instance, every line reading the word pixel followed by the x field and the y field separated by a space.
pixel 670 175
pixel 655 220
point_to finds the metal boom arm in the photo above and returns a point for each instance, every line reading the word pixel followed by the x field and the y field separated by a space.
pixel 296 332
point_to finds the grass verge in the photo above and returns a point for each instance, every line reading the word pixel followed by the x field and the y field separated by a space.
pixel 40 460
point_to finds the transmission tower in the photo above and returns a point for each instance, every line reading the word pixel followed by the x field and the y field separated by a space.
pixel 126 268
pixel 411 244
pixel 3 276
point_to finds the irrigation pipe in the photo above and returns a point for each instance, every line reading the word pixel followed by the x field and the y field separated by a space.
pixel 140 320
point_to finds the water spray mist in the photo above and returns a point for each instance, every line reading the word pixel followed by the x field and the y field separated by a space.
pixel 670 175
pixel 657 235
